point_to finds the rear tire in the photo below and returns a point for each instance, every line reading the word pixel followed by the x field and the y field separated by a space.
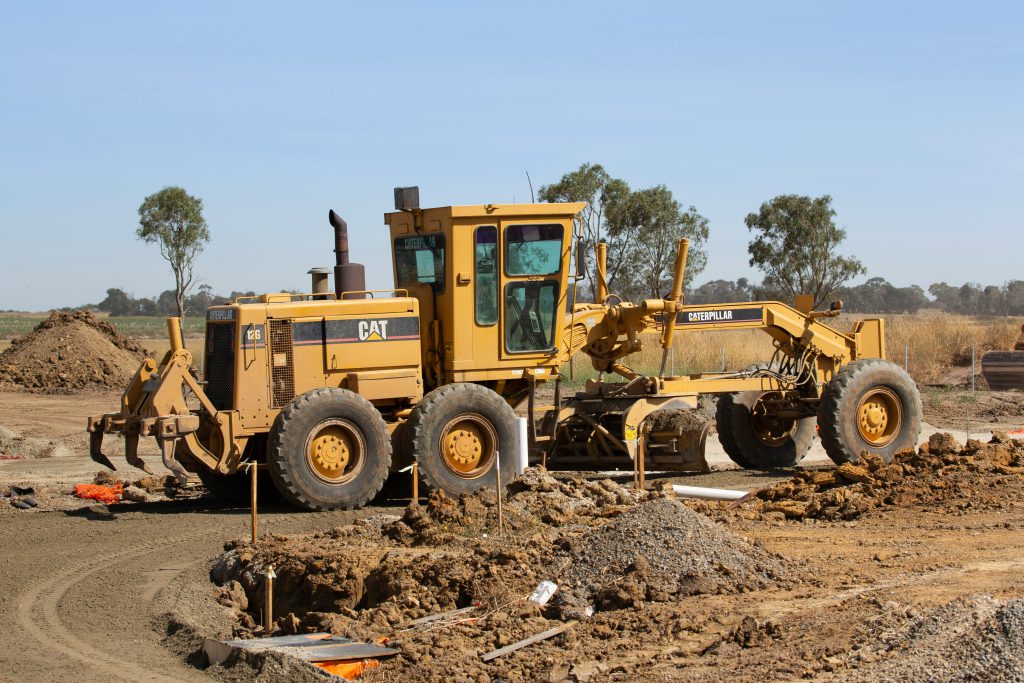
pixel 755 441
pixel 870 406
pixel 329 449
pixel 456 431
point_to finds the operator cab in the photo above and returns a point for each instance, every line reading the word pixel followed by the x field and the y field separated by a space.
pixel 492 280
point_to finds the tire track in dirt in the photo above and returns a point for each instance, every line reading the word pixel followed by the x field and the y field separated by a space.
pixel 39 610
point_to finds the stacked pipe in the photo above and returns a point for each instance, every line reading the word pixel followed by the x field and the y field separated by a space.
pixel 349 278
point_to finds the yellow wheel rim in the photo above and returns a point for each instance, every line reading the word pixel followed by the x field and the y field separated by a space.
pixel 879 416
pixel 334 451
pixel 467 445
pixel 772 431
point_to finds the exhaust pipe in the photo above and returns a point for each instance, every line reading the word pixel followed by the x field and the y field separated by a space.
pixel 348 277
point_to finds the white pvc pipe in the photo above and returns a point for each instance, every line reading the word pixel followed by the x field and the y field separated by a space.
pixel 522 450
pixel 706 493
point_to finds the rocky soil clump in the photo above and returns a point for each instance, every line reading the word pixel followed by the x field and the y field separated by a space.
pixel 941 474
pixel 71 352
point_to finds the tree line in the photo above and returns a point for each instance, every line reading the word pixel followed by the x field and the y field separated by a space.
pixel 877 295
pixel 119 303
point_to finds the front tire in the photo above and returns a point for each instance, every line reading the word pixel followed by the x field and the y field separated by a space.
pixel 870 406
pixel 755 440
pixel 457 432
pixel 329 449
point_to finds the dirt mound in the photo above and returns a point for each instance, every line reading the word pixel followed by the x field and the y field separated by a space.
pixel 941 473
pixel 971 639
pixel 533 500
pixel 71 352
pixel 611 550
pixel 16 446
pixel 661 550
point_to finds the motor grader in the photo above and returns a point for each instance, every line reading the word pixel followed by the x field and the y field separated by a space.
pixel 332 391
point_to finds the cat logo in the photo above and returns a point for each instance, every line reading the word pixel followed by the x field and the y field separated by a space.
pixel 373 330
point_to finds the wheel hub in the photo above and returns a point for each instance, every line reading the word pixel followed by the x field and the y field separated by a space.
pixel 333 452
pixel 879 416
pixel 468 443
pixel 464 447
pixel 330 452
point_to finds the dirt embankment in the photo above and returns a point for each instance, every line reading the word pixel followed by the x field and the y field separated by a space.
pixel 71 352
pixel 608 548
pixel 629 566
pixel 941 474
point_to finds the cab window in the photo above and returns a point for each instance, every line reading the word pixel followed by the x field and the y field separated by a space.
pixel 530 315
pixel 533 249
pixel 420 259
pixel 485 263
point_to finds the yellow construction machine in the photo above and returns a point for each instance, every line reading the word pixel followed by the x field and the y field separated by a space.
pixel 332 391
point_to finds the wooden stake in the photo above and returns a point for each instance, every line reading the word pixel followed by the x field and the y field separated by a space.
pixel 268 612
pixel 415 484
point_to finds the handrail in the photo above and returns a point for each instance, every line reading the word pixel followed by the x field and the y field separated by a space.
pixel 278 297
pixel 371 292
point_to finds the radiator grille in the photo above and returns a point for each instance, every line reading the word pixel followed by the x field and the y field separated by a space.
pixel 282 371
pixel 220 364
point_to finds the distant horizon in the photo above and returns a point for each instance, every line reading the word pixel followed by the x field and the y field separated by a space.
pixel 79 306
pixel 907 115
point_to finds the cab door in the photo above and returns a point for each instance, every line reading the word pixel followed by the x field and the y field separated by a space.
pixel 532 277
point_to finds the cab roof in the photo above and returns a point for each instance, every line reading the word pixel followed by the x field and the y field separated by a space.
pixel 505 210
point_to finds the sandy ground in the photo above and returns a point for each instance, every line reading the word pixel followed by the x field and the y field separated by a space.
pixel 84 595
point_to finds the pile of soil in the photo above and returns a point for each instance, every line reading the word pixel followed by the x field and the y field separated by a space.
pixel 611 550
pixel 971 639
pixel 70 352
pixel 15 446
pixel 941 474
pixel 662 551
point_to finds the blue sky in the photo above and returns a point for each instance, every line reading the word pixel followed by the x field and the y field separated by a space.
pixel 908 114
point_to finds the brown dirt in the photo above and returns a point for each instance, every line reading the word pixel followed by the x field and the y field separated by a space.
pixel 608 548
pixel 862 599
pixel 939 474
pixel 951 408
pixel 626 566
pixel 71 352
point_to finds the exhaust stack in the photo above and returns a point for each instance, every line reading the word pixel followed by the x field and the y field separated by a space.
pixel 348 277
